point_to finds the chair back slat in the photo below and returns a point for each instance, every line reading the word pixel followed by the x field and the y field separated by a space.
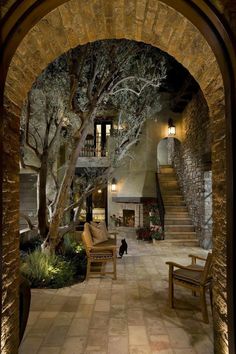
pixel 206 274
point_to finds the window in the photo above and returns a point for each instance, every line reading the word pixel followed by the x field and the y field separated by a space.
pixel 102 134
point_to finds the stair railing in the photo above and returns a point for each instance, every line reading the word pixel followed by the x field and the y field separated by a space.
pixel 160 205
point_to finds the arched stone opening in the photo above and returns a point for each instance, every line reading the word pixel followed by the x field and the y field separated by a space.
pixel 165 150
pixel 205 71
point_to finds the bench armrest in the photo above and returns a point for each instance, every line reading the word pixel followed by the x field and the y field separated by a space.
pixel 112 234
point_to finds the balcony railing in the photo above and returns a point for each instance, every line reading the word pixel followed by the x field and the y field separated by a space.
pixel 90 151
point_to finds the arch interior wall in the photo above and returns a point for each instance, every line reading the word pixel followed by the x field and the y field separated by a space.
pixel 79 22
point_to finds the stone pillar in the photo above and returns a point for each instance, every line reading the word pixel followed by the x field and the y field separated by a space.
pixel 10 231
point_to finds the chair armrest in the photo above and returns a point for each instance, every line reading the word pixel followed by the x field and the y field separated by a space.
pixel 195 257
pixel 173 264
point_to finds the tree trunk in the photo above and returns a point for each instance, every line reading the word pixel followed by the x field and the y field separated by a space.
pixel 63 195
pixel 42 197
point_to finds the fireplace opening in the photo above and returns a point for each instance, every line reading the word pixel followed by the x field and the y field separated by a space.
pixel 128 218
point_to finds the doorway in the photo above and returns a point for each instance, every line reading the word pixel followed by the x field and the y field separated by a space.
pixel 95 207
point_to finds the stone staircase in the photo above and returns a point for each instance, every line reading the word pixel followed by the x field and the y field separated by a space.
pixel 179 229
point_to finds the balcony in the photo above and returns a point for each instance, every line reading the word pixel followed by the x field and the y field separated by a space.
pixel 91 151
pixel 91 156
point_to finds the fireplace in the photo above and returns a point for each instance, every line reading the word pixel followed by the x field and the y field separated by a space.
pixel 128 218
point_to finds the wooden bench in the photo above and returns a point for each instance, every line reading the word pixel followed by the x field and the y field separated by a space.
pixel 100 253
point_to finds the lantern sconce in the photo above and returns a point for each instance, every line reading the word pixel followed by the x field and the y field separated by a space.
pixel 171 128
pixel 113 185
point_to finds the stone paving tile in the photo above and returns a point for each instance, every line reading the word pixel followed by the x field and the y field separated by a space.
pixel 74 345
pixel 30 345
pixel 102 305
pixel 141 349
pixel 117 327
pixel 49 350
pixel 100 320
pixel 137 335
pixel 56 336
pixel 97 339
pixel 41 327
pixel 160 343
pixel 127 316
pixel 63 319
pixel 84 311
pixel 118 345
pixel 79 327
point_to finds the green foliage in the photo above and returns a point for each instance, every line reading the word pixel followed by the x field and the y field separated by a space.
pixel 74 252
pixel 71 246
pixel 54 271
pixel 30 245
pixel 47 270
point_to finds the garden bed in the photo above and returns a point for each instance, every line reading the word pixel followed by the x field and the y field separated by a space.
pixel 53 271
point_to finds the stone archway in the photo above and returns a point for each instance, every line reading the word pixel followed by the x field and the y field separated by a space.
pixel 148 22
pixel 165 149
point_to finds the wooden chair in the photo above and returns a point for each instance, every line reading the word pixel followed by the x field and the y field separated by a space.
pixel 98 255
pixel 194 277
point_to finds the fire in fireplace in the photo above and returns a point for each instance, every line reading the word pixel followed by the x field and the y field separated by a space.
pixel 128 218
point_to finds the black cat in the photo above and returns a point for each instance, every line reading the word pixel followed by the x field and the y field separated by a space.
pixel 123 248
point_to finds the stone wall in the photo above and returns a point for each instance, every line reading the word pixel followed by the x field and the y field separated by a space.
pixel 189 161
pixel 10 234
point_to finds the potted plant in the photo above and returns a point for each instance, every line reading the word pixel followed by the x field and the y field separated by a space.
pixel 144 233
pixel 155 225
pixel 156 232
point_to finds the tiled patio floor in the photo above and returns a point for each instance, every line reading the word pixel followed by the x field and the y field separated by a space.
pixel 129 315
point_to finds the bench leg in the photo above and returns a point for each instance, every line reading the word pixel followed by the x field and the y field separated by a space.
pixel 88 269
pixel 114 266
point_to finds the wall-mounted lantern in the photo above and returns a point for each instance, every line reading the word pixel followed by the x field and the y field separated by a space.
pixel 113 185
pixel 171 128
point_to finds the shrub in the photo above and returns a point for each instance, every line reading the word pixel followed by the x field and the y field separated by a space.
pixel 47 270
pixel 30 245
pixel 71 246
pixel 75 253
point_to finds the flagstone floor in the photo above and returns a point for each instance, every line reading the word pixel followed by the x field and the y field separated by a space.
pixel 126 316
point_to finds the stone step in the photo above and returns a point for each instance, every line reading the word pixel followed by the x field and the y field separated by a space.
pixel 166 169
pixel 172 197
pixel 181 242
pixel 178 221
pixel 167 177
pixel 170 192
pixel 175 209
pixel 179 228
pixel 169 184
pixel 174 203
pixel 180 235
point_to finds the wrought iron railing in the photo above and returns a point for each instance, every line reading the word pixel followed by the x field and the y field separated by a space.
pixel 160 205
pixel 90 151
